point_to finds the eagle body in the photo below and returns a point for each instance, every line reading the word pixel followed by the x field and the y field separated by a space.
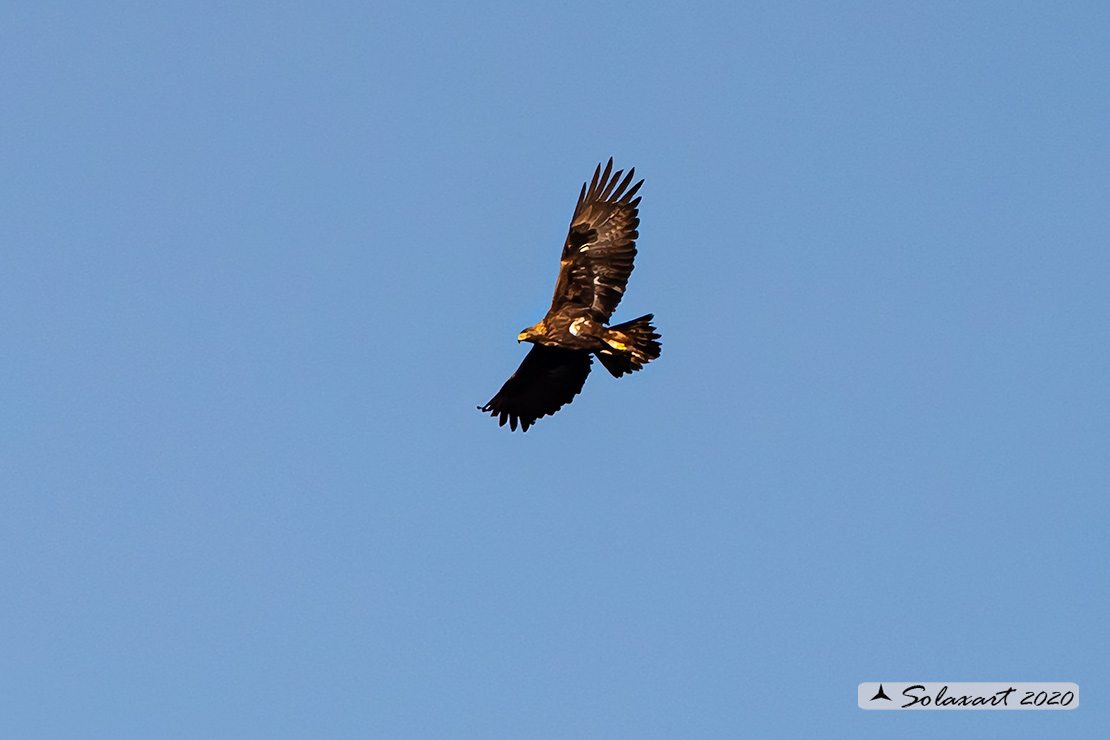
pixel 596 262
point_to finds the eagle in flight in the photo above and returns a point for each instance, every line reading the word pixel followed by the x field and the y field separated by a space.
pixel 596 262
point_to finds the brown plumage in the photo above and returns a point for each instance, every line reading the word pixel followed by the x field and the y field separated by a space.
pixel 596 262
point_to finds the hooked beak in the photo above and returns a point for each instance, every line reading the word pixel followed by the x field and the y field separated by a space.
pixel 532 331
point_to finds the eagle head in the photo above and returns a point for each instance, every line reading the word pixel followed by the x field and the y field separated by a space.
pixel 532 332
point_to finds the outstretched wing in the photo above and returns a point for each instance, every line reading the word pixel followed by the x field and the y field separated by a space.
pixel 549 378
pixel 599 250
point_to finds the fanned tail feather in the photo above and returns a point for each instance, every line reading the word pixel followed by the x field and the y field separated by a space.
pixel 640 346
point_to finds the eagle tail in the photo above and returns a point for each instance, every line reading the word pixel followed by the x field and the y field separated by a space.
pixel 633 344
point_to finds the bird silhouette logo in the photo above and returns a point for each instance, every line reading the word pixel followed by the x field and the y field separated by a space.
pixel 881 695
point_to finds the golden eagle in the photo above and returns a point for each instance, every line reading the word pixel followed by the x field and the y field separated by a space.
pixel 596 262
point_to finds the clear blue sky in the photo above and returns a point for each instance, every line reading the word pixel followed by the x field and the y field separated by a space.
pixel 260 262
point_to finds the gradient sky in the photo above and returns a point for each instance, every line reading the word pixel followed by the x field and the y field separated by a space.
pixel 259 262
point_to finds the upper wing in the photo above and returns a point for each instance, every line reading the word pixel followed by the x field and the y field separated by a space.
pixel 548 378
pixel 599 250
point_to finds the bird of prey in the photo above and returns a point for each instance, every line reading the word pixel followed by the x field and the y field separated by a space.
pixel 594 269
